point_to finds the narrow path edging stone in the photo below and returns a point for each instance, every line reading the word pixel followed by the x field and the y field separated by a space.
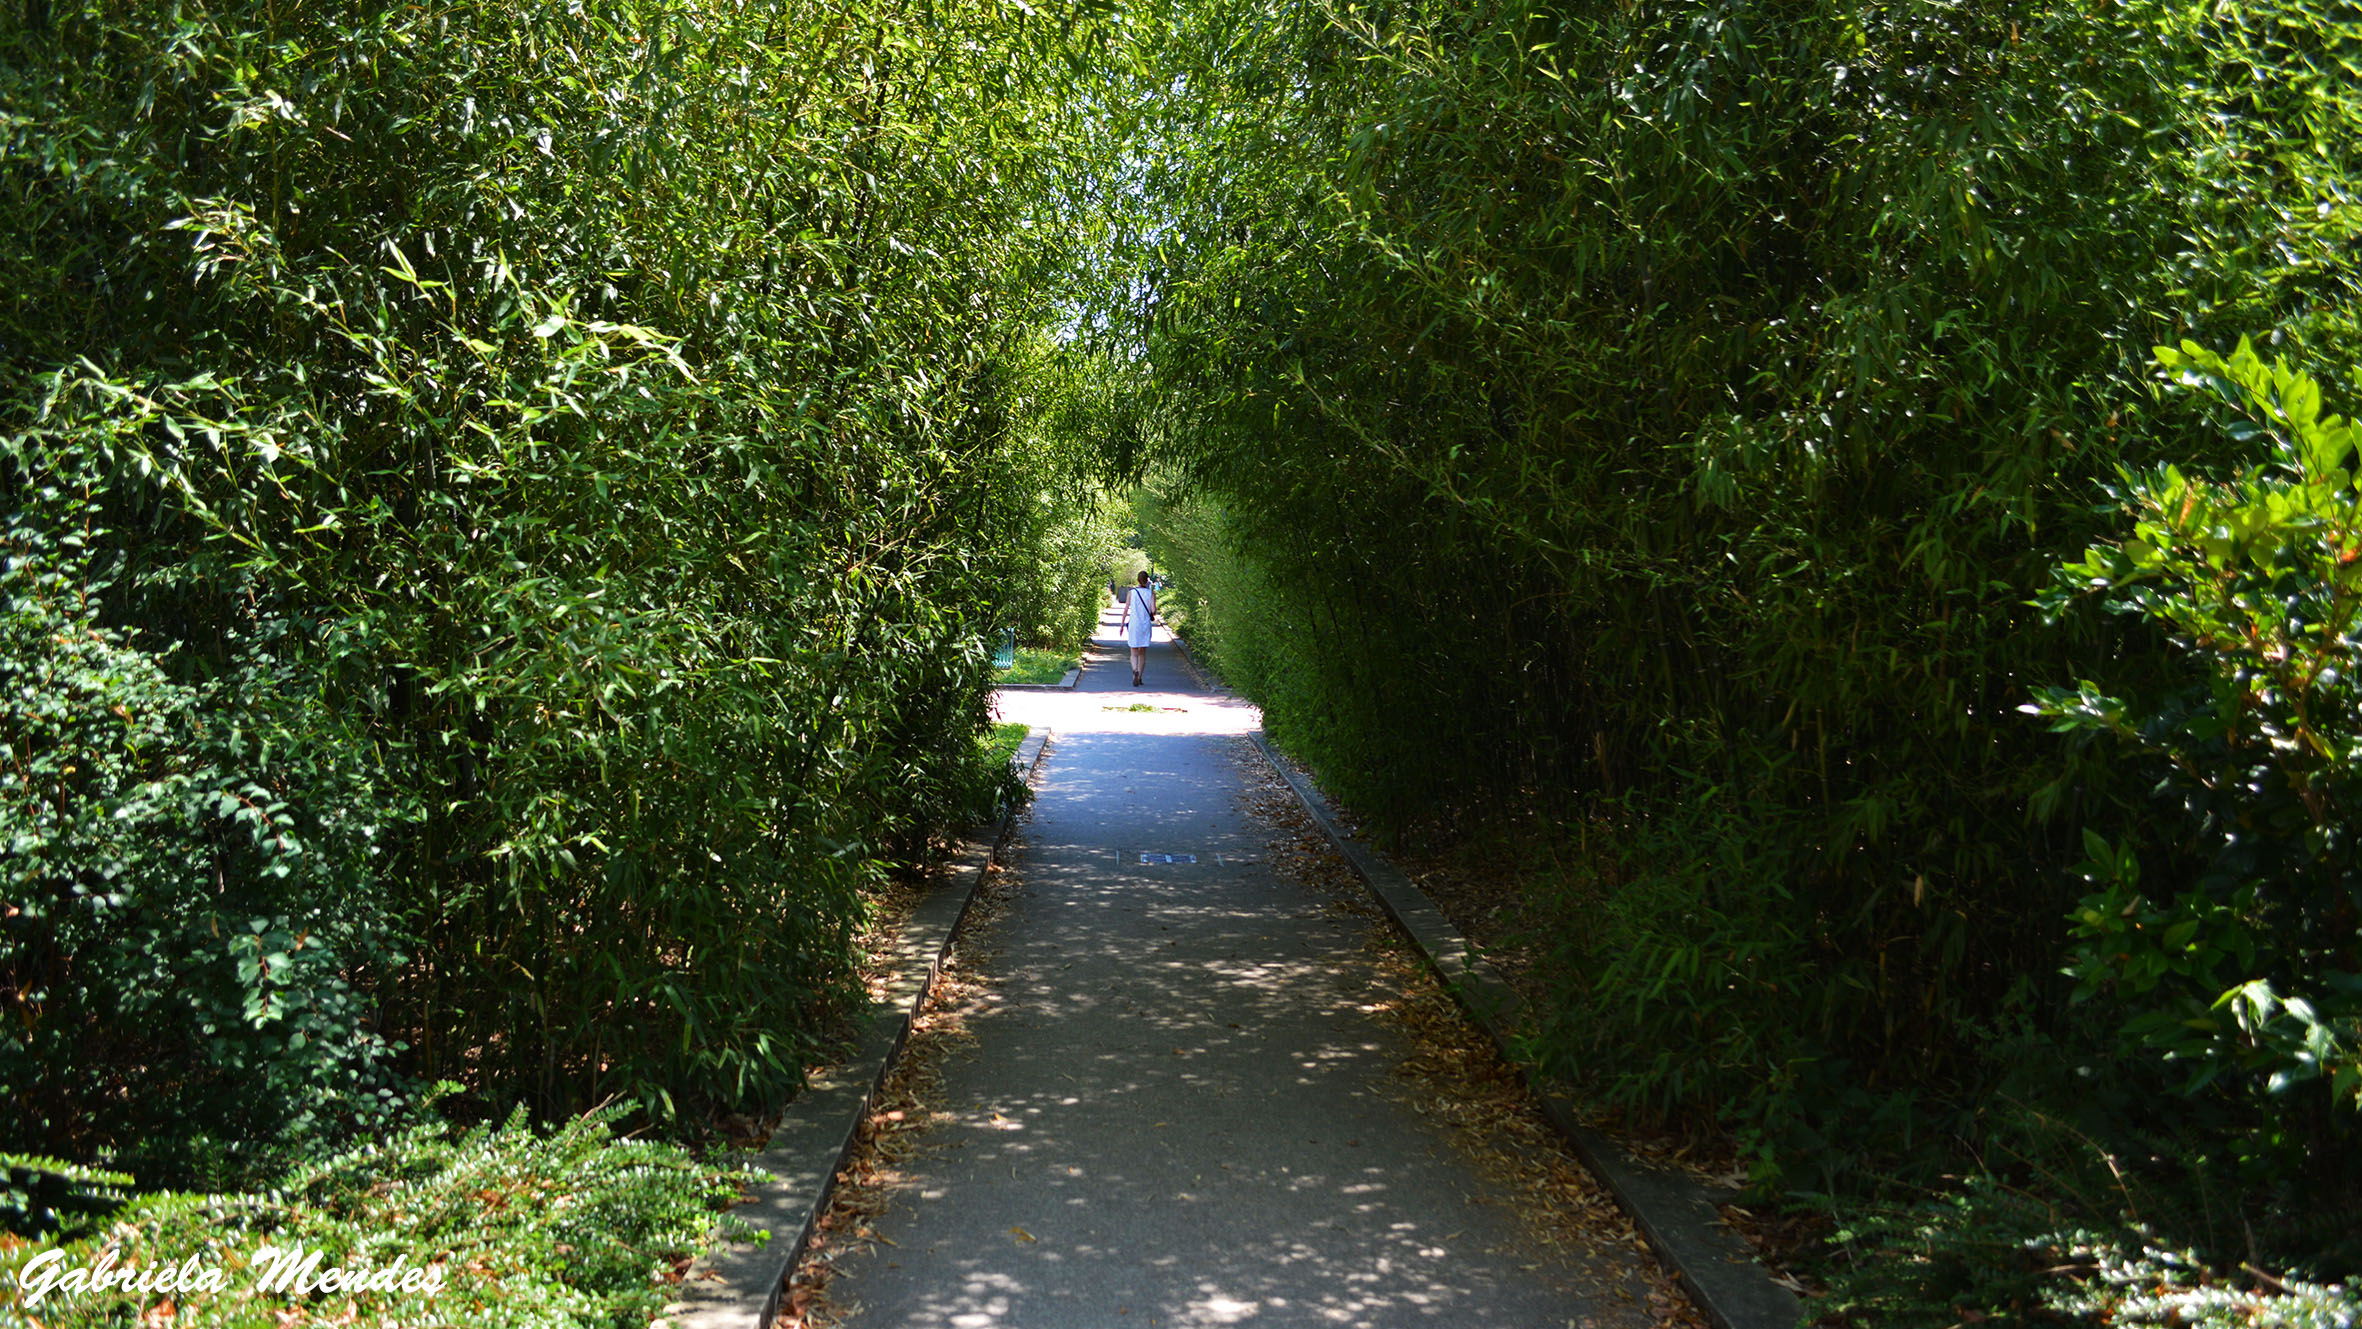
pixel 737 1285
pixel 1205 679
pixel 1065 684
pixel 1674 1210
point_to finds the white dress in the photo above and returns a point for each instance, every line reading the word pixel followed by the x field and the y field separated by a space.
pixel 1140 627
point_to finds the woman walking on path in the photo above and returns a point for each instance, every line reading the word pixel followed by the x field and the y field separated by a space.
pixel 1139 624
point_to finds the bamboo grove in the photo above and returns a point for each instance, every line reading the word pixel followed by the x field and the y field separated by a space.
pixel 1650 428
pixel 505 509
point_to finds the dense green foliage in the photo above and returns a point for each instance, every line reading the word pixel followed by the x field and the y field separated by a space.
pixel 1076 532
pixel 50 1195
pixel 2253 968
pixel 1662 416
pixel 1216 598
pixel 1058 608
pixel 126 789
pixel 993 784
pixel 2006 1252
pixel 504 508
pixel 567 1228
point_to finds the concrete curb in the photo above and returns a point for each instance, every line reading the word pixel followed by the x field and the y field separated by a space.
pixel 1065 684
pixel 738 1285
pixel 1197 671
pixel 1674 1210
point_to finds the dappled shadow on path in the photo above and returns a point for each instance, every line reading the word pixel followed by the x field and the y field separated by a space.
pixel 1176 1111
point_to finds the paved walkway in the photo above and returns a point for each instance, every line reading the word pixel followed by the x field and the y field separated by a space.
pixel 1178 1110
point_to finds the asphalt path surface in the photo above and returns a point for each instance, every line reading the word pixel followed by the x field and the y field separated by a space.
pixel 1178 1110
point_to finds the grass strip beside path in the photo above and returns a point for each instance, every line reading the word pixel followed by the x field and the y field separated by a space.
pixel 1037 667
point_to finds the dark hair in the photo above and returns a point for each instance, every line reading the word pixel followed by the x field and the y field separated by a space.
pixel 1143 579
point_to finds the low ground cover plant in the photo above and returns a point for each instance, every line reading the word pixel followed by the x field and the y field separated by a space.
pixel 501 1224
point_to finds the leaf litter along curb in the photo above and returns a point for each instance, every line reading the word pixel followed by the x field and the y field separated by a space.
pixel 1453 1076
pixel 1480 894
pixel 887 906
pixel 1457 1079
pixel 905 1107
pixel 1477 890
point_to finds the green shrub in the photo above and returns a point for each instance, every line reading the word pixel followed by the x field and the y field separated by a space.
pixel 992 784
pixel 1067 535
pixel 2145 1285
pixel 192 901
pixel 550 466
pixel 572 1227
pixel 2235 953
pixel 1664 415
pixel 46 1196
pixel 1984 1252
pixel 1978 1248
pixel 1219 598
pixel 1678 977
pixel 1184 536
pixel 1074 545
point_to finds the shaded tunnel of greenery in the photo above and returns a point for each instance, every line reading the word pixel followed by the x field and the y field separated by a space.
pixel 508 509
pixel 1645 432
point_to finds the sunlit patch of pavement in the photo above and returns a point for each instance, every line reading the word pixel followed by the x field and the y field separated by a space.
pixel 1177 1112
pixel 1105 702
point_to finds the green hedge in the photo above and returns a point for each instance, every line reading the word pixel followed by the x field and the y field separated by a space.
pixel 1662 417
pixel 495 1225
pixel 506 505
